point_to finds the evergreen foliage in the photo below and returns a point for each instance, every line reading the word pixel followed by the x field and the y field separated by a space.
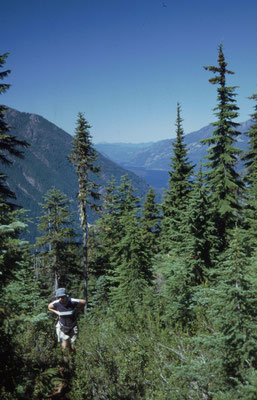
pixel 201 242
pixel 251 156
pixel 223 181
pixel 83 158
pixel 173 297
pixel 56 249
pixel 130 255
pixel 103 237
pixel 233 313
pixel 127 198
pixel 109 230
pixel 8 143
pixel 250 209
pixel 150 222
pixel 131 267
pixel 175 200
pixel 176 281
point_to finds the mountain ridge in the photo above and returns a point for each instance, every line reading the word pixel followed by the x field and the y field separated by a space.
pixel 157 156
pixel 46 164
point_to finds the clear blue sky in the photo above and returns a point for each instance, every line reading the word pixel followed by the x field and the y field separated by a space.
pixel 126 63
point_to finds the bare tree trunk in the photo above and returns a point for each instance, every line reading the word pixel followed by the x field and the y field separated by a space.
pixel 83 219
pixel 55 281
pixel 85 267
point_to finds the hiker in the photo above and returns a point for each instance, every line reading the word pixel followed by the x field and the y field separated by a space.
pixel 67 310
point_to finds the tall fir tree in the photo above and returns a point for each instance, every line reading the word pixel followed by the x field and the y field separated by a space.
pixel 200 230
pixel 12 261
pixel 56 247
pixel 232 312
pixel 150 222
pixel 131 265
pixel 9 145
pixel 179 186
pixel 174 287
pixel 250 158
pixel 103 236
pixel 119 201
pixel 127 198
pixel 106 231
pixel 222 179
pixel 83 157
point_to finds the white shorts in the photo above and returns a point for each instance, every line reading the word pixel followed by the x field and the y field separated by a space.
pixel 62 336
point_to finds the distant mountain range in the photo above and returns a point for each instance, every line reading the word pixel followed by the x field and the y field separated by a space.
pixel 46 164
pixel 152 160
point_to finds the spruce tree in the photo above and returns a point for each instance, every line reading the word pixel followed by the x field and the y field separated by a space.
pixel 131 266
pixel 200 230
pixel 106 231
pixel 233 312
pixel 250 159
pixel 222 179
pixel 103 237
pixel 174 285
pixel 56 253
pixel 120 204
pixel 150 222
pixel 8 143
pixel 12 260
pixel 127 198
pixel 179 186
pixel 83 157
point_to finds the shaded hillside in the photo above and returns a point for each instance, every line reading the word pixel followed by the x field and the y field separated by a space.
pixel 45 164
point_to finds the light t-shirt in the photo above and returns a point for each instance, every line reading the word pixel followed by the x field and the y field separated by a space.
pixel 66 311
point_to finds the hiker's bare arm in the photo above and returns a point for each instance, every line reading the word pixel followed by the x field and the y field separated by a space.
pixel 51 308
pixel 81 304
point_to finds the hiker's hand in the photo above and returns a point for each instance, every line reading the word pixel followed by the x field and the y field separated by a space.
pixel 51 308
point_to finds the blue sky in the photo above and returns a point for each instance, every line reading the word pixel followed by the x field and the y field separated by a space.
pixel 126 63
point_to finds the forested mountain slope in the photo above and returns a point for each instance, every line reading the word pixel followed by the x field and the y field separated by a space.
pixel 45 164
pixel 156 156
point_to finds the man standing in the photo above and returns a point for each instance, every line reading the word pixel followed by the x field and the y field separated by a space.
pixel 67 310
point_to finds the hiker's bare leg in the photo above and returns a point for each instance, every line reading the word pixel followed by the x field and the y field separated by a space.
pixel 65 344
pixel 65 348
pixel 73 348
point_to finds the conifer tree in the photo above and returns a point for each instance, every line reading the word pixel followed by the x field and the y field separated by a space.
pixel 127 199
pixel 131 266
pixel 233 313
pixel 12 259
pixel 106 232
pixel 175 280
pixel 150 222
pixel 179 186
pixel 118 201
pixel 250 157
pixel 103 237
pixel 8 143
pixel 250 208
pixel 200 232
pixel 83 158
pixel 223 181
pixel 57 243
